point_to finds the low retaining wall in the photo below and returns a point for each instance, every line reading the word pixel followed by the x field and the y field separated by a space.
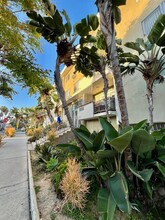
pixel 33 200
pixel 65 138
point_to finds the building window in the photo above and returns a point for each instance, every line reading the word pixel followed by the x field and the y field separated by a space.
pixel 76 87
pixel 67 94
pixel 101 95
pixel 67 78
pixel 158 126
pixel 149 21
pixel 80 102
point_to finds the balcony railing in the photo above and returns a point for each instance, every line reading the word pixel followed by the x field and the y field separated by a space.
pixel 85 111
pixel 100 106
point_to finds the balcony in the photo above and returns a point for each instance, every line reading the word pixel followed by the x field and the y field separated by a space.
pixel 85 111
pixel 99 107
pixel 93 110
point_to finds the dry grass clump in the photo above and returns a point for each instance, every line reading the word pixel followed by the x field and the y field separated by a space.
pixel 30 132
pixel 37 132
pixel 74 185
pixel 52 135
pixel 10 132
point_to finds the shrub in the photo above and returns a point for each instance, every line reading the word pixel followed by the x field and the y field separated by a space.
pixel 57 177
pixel 52 164
pixel 30 132
pixel 52 136
pixel 10 132
pixel 37 133
pixel 44 151
pixel 74 186
pixel 32 139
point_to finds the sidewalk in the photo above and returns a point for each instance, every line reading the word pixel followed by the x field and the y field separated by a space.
pixel 14 190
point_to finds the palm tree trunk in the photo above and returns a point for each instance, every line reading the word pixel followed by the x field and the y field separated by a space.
pixel 106 85
pixel 49 114
pixel 107 27
pixel 61 93
pixel 150 103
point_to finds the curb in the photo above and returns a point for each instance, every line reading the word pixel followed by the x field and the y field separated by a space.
pixel 33 200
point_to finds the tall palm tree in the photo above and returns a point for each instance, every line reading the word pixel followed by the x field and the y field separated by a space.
pixel 35 115
pixel 45 103
pixel 54 30
pixel 17 115
pixel 109 14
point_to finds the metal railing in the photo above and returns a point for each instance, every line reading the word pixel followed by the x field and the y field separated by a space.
pixel 100 106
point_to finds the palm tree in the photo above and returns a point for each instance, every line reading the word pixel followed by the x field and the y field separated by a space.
pixel 150 61
pixel 17 115
pixel 4 109
pixel 109 14
pixel 35 116
pixel 54 30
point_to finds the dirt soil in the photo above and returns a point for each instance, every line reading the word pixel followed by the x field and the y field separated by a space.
pixel 48 203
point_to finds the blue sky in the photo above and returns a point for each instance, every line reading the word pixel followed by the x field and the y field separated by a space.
pixel 76 10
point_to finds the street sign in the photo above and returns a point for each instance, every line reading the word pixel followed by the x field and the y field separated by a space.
pixel 5 120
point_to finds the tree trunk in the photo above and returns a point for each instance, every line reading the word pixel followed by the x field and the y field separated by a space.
pixel 106 85
pixel 61 93
pixel 107 27
pixel 150 103
pixel 108 30
pixel 49 114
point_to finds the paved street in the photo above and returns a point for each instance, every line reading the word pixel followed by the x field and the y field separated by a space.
pixel 14 198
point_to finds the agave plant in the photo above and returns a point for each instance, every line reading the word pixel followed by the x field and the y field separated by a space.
pixel 150 61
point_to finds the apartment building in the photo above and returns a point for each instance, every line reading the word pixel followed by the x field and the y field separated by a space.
pixel 85 95
pixel 85 98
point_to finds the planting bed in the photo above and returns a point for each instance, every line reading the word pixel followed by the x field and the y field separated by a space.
pixel 48 203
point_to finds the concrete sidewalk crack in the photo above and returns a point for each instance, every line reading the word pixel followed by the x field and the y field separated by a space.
pixel 9 158
pixel 6 193
pixel 16 184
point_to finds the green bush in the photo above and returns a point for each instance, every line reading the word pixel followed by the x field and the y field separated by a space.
pixel 57 177
pixel 52 164
pixel 45 152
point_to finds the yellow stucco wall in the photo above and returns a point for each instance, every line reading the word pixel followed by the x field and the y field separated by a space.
pixel 94 125
pixel 69 83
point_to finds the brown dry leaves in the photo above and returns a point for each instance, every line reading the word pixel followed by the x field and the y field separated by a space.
pixel 74 185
